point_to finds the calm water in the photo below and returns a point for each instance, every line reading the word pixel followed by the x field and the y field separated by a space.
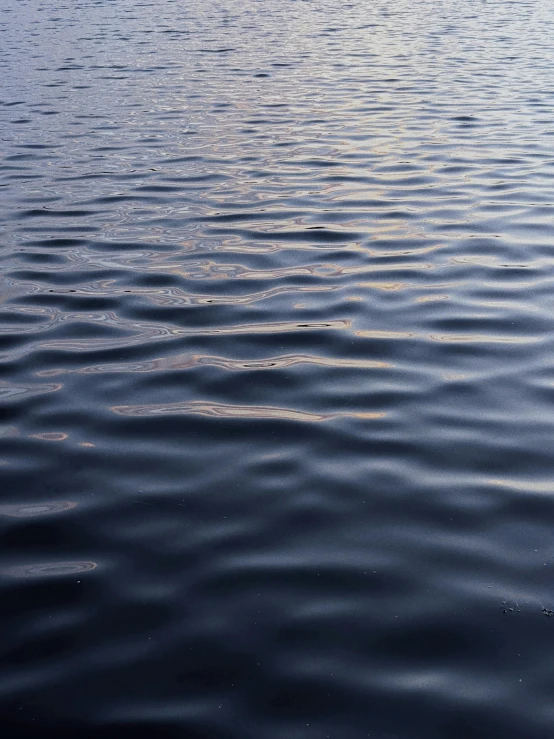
pixel 277 372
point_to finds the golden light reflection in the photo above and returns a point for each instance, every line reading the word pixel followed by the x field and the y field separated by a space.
pixel 455 376
pixel 484 339
pixel 189 361
pixel 386 334
pixel 50 372
pixel 431 298
pixel 217 271
pixel 392 286
pixel 50 436
pixel 382 285
pixel 450 338
pixel 529 486
pixel 223 410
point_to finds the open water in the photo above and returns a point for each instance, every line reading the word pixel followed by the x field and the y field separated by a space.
pixel 276 369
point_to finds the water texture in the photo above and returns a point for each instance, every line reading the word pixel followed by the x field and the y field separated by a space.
pixel 276 340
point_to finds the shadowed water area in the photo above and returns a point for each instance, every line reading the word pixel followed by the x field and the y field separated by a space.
pixel 276 369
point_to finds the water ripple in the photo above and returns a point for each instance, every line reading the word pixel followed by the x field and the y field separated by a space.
pixel 276 377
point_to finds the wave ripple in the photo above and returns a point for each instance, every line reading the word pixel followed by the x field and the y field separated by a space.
pixel 275 355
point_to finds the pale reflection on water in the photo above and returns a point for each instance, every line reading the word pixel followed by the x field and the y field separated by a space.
pixel 25 510
pixel 49 569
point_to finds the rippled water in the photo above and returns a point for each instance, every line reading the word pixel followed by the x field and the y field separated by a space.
pixel 276 369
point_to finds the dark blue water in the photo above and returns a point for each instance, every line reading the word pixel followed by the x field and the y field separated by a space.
pixel 276 369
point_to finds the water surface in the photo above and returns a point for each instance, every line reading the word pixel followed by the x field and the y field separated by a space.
pixel 276 369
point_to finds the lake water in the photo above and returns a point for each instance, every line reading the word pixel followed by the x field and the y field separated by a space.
pixel 276 358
